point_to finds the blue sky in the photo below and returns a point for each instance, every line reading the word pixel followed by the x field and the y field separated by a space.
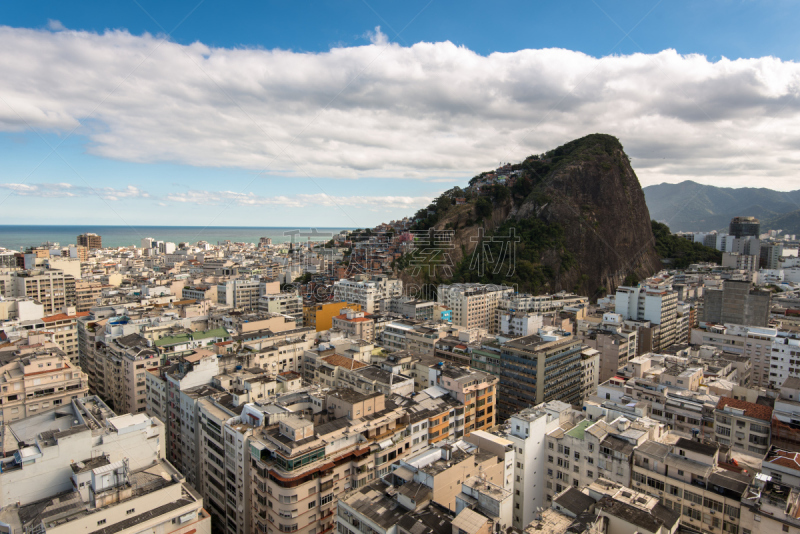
pixel 339 114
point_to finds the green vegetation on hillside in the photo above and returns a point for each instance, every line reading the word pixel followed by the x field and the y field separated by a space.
pixel 504 262
pixel 681 251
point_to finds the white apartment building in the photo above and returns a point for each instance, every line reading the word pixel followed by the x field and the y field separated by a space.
pixel 370 294
pixel 50 441
pixel 655 304
pixel 753 342
pixel 473 305
pixel 240 293
pixel 526 432
pixel 287 303
pixel 743 425
pixel 53 288
pixel 541 303
pixel 784 361
pixel 519 324
pixel 578 454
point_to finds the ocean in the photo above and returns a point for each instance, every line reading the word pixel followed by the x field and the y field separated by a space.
pixel 17 237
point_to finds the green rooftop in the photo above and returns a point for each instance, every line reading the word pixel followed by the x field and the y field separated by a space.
pixel 578 430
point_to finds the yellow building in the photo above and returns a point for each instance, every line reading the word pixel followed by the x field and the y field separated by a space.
pixel 320 316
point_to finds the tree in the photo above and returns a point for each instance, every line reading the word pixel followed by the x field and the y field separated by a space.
pixel 483 208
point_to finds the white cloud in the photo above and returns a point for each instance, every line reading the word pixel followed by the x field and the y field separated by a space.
pixel 297 201
pixel 384 110
pixel 55 25
pixel 216 198
pixel 64 190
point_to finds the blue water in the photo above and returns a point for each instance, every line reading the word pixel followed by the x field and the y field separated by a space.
pixel 17 237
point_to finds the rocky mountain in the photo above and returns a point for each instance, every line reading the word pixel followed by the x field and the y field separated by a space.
pixel 692 207
pixel 578 211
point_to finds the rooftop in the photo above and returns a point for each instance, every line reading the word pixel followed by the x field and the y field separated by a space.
pixel 756 411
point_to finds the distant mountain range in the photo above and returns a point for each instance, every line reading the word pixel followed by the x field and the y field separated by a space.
pixel 692 207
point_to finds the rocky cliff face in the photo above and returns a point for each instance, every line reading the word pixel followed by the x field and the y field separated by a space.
pixel 583 218
pixel 596 198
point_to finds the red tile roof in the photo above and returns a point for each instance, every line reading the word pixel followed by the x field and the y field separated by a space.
pixel 63 317
pixel 756 411
pixel 343 361
pixel 784 458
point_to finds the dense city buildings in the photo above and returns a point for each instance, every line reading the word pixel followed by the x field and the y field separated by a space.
pixel 280 395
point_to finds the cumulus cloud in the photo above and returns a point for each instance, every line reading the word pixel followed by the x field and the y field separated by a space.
pixel 64 190
pixel 385 110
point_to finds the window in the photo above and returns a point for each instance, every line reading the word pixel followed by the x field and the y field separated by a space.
pixel 326 499
pixel 590 474
pixel 101 522
pixel 692 513
pixel 711 503
pixel 129 512
pixel 693 497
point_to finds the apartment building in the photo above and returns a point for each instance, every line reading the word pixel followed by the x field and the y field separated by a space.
pixel 185 342
pixel 355 325
pixel 40 448
pixel 658 305
pixel 320 315
pixel 372 294
pixel 687 477
pixel 200 292
pixel 615 349
pixel 411 335
pixel 475 390
pixel 87 295
pixel 240 294
pixel 737 303
pixel 90 241
pixel 525 430
pixel 785 424
pixel 36 379
pixel 765 504
pixel 541 303
pixel 64 327
pixel 519 323
pixel 590 364
pixel 755 343
pixel 299 467
pixel 581 451
pixel 743 425
pixel 671 389
pixel 420 310
pixel 52 288
pixel 80 467
pixel 287 303
pixel 120 369
pixel 537 369
pixel 784 361
pixel 473 305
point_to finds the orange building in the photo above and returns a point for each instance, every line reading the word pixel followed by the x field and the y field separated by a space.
pixel 320 316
